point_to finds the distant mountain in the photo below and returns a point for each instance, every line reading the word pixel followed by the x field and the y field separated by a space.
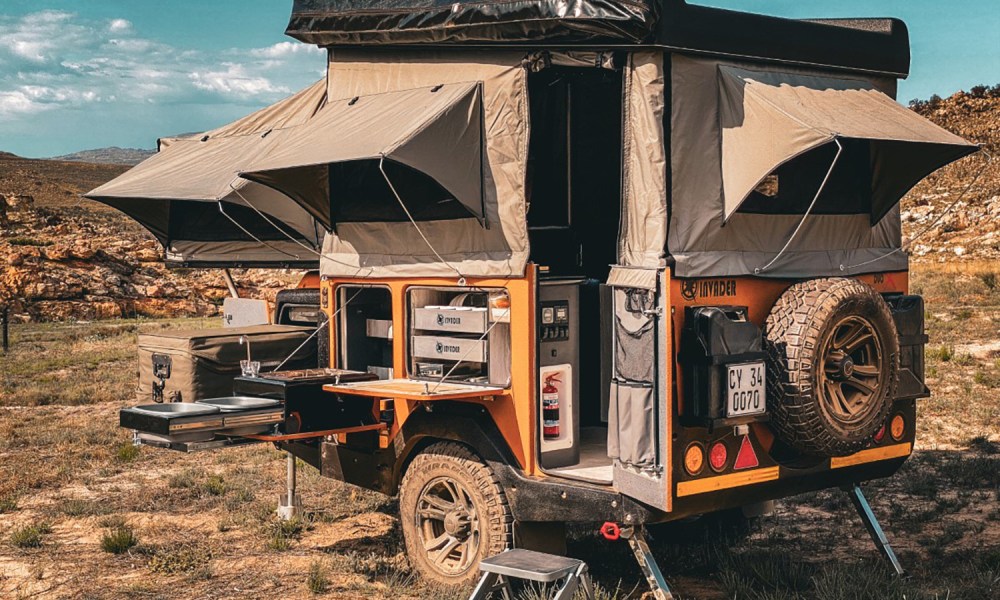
pixel 110 156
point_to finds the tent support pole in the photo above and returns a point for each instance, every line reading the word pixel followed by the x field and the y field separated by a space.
pixel 233 291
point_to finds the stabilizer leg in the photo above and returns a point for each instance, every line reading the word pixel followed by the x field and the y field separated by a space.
pixel 874 529
pixel 644 556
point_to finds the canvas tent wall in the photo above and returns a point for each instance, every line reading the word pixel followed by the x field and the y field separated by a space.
pixel 189 195
pixel 734 123
pixel 495 245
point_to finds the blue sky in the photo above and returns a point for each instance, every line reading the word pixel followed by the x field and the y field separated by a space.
pixel 86 74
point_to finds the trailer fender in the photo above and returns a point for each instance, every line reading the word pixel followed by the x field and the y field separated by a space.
pixel 535 499
pixel 464 423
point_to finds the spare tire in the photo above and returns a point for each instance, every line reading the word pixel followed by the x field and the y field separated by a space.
pixel 833 363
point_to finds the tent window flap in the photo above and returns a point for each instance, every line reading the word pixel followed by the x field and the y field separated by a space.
pixel 428 140
pixel 784 124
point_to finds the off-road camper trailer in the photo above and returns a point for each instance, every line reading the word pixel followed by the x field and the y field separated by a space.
pixel 598 261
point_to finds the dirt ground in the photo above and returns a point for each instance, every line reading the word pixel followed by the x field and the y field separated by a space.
pixel 84 514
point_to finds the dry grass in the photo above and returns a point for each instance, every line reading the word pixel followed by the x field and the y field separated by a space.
pixel 69 479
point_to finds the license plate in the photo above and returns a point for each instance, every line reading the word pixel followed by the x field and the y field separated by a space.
pixel 745 390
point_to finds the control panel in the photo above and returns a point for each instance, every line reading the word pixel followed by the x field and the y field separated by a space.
pixel 555 321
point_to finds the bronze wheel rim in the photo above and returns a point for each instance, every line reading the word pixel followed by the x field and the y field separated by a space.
pixel 448 524
pixel 851 370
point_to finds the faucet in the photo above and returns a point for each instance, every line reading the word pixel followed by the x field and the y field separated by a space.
pixel 245 340
pixel 248 366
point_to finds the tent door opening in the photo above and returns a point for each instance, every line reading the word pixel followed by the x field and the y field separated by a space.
pixel 574 193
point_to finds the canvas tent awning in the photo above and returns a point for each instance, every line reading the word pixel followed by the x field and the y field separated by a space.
pixel 773 119
pixel 189 194
pixel 429 141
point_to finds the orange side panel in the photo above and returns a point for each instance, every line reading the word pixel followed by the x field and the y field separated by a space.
pixel 669 380
pixel 310 280
pixel 513 411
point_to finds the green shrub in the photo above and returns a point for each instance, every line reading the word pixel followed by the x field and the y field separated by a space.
pixel 30 536
pixel 181 557
pixel 214 485
pixel 127 452
pixel 184 479
pixel 8 503
pixel 318 581
pixel 281 534
pixel 944 353
pixel 119 540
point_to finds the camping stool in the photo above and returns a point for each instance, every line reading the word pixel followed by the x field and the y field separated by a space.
pixel 529 565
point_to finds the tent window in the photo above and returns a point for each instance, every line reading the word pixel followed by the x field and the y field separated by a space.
pixel 847 193
pixel 202 222
pixel 360 194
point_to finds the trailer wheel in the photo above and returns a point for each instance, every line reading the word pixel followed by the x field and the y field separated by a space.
pixel 833 365
pixel 454 513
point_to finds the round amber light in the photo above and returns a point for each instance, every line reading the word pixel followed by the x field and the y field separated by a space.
pixel 718 456
pixel 694 459
pixel 897 428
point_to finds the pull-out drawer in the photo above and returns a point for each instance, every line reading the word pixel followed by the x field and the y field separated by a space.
pixel 203 421
pixel 455 319
pixel 450 348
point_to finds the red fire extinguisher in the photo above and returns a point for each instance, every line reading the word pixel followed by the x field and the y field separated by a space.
pixel 550 408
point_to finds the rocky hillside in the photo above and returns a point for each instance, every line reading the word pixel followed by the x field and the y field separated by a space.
pixel 62 257
pixel 971 230
pixel 110 156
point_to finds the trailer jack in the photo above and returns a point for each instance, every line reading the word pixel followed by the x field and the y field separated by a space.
pixel 874 529
pixel 290 505
pixel 636 537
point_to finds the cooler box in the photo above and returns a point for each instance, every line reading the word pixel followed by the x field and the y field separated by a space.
pixel 189 365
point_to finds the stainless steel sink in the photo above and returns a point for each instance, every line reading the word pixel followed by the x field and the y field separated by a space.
pixel 238 403
pixel 176 409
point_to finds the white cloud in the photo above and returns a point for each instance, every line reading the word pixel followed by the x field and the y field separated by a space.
pixel 285 49
pixel 235 81
pixel 120 26
pixel 56 62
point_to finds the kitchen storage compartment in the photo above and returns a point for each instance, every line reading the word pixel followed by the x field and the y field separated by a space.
pixel 307 407
pixel 460 336
pixel 189 365
pixel 178 424
pixel 365 329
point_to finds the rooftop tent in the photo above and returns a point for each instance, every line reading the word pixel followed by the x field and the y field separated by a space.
pixel 750 147
pixel 773 119
pixel 428 141
pixel 353 22
pixel 189 194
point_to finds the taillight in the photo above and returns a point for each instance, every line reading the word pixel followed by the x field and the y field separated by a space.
pixel 897 427
pixel 879 435
pixel 694 459
pixel 718 456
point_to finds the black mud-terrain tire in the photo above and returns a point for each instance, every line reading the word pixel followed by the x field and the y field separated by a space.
pixel 799 338
pixel 425 476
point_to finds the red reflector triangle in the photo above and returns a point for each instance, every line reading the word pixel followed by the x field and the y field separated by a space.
pixel 747 458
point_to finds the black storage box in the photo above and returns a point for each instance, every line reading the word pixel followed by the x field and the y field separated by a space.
pixel 908 313
pixel 713 337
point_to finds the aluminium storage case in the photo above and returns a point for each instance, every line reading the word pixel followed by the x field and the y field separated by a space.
pixel 189 365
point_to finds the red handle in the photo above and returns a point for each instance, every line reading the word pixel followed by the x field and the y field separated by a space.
pixel 611 531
